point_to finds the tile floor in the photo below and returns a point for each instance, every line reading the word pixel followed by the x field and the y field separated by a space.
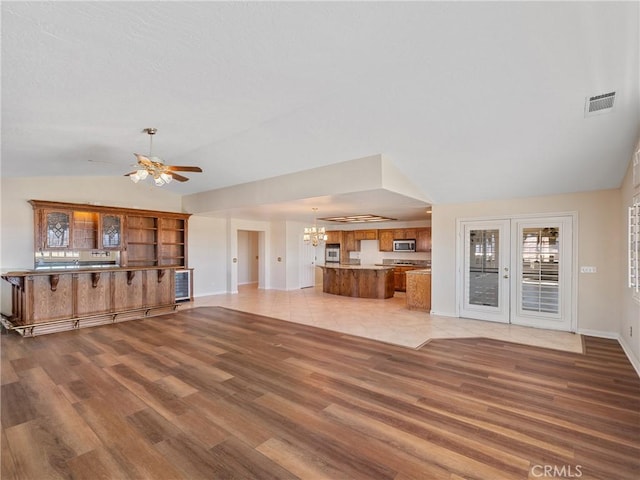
pixel 384 320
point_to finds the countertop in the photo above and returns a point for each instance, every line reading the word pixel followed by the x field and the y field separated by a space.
pixel 356 267
pixel 80 269
pixel 421 271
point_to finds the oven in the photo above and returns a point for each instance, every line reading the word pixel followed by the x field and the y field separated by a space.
pixel 332 253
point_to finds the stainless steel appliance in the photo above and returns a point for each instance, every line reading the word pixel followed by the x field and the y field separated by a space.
pixel 183 285
pixel 404 245
pixel 332 253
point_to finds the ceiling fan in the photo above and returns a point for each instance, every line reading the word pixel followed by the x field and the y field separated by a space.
pixel 154 167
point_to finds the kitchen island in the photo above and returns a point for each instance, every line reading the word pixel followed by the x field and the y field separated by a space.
pixel 54 300
pixel 362 281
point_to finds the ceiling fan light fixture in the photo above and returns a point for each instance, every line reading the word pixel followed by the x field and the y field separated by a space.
pixel 166 177
pixel 153 166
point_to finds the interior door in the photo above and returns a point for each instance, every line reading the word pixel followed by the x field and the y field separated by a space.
pixel 307 265
pixel 485 270
pixel 542 280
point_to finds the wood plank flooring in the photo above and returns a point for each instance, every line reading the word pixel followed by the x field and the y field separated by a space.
pixel 211 393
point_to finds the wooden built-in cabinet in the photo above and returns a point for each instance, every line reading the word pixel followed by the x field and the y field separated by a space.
pixel 422 236
pixel 152 247
pixel 334 236
pixel 400 277
pixel 365 235
pixel 385 240
pixel 423 239
pixel 419 290
pixel 349 240
pixel 145 238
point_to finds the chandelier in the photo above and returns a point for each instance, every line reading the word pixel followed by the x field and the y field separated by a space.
pixel 314 235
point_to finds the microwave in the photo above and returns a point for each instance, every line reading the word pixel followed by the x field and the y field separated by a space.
pixel 404 245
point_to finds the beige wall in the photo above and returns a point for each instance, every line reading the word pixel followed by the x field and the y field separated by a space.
pixel 599 234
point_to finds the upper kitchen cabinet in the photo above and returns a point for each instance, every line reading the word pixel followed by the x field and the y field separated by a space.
pixel 348 241
pixel 385 238
pixel 404 234
pixel 334 236
pixel 423 239
pixel 365 235
pixel 422 236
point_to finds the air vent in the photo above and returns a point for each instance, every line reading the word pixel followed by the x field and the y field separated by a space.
pixel 599 104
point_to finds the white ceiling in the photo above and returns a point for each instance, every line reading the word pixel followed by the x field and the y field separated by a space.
pixel 471 101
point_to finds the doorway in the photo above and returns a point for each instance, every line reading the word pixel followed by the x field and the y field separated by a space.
pixel 518 271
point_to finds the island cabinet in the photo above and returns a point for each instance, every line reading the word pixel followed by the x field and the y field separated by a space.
pixel 419 290
pixel 58 300
pixel 358 281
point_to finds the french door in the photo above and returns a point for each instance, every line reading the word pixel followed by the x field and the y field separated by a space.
pixel 518 270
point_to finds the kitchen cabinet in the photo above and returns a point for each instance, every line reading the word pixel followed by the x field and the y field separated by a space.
pixel 385 240
pixel 366 235
pixel 334 236
pixel 400 277
pixel 423 240
pixel 348 241
pixel 404 234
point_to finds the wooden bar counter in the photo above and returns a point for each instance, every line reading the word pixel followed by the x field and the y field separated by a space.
pixel 362 281
pixel 47 301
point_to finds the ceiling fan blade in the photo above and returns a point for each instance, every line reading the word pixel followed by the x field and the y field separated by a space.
pixel 130 173
pixel 179 178
pixel 178 168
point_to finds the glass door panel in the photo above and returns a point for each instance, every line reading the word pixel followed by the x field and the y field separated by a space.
pixel 486 267
pixel 483 282
pixel 542 283
pixel 58 229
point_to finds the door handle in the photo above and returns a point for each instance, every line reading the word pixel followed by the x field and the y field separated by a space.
pixel 505 276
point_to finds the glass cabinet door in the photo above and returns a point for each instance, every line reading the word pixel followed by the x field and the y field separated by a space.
pixel 111 231
pixel 58 229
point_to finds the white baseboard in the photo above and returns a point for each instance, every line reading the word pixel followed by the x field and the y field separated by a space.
pixel 635 363
pixel 630 355
pixel 444 314
pixel 598 333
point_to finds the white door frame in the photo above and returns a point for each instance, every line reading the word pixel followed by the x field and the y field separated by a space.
pixel 460 257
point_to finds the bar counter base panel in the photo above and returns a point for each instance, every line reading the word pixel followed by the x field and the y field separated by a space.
pixel 55 301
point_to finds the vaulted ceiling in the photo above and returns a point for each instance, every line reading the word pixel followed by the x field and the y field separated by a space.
pixel 471 101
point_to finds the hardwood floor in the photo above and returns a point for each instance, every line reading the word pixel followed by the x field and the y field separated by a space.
pixel 210 393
